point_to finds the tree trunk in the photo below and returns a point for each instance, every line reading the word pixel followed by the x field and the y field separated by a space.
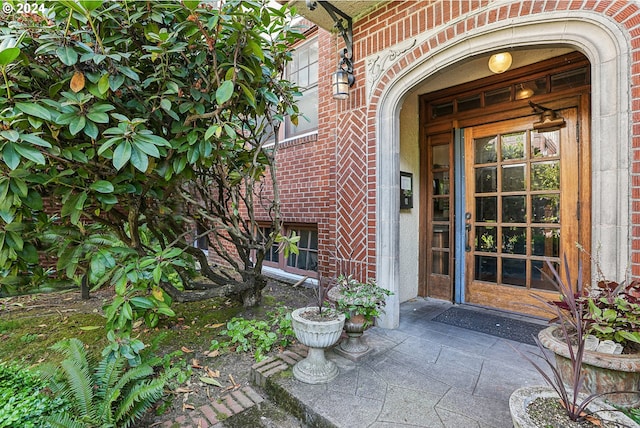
pixel 248 291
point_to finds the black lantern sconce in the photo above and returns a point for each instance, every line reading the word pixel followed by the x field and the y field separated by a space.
pixel 343 78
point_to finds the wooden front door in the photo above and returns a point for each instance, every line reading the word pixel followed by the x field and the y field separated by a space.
pixel 521 208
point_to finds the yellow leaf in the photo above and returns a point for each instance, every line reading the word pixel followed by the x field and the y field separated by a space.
pixel 186 350
pixel 214 325
pixel 77 81
pixel 210 381
pixel 158 294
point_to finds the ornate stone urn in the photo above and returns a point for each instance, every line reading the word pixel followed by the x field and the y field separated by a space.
pixel 354 345
pixel 317 332
pixel 603 372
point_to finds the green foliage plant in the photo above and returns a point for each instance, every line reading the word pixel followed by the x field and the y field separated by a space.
pixel 124 127
pixel 611 309
pixel 360 298
pixel 107 394
pixel 614 313
pixel 257 336
pixel 24 401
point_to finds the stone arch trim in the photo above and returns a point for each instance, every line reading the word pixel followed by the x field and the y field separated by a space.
pixel 608 37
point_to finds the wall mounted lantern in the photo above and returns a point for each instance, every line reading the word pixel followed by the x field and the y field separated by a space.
pixel 500 62
pixel 549 119
pixel 343 78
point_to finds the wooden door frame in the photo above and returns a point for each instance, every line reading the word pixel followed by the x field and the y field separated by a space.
pixel 580 99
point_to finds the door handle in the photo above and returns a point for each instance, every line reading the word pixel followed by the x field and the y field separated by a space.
pixel 467 232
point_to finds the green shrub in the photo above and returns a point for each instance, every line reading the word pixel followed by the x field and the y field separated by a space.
pixel 24 398
pixel 257 336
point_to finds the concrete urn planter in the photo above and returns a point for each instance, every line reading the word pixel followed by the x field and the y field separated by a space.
pixel 603 372
pixel 317 335
pixel 522 397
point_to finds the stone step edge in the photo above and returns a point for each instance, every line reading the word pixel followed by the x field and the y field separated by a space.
pixel 263 375
pixel 220 409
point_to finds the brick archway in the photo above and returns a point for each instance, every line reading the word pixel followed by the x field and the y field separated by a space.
pixel 604 40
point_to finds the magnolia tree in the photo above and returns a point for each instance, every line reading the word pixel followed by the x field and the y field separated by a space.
pixel 126 126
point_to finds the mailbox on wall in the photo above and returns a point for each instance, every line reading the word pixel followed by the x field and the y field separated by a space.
pixel 406 190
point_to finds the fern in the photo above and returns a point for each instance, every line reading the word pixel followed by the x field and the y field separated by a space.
pixel 111 394
pixel 64 420
pixel 80 387
pixel 136 402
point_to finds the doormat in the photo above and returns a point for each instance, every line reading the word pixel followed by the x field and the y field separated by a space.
pixel 495 325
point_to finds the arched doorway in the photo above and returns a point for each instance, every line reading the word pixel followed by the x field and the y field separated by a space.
pixel 606 47
pixel 505 188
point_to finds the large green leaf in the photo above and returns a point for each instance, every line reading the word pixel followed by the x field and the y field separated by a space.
pixel 224 92
pixel 102 186
pixel 67 55
pixel 139 160
pixel 98 117
pixel 11 135
pixel 91 4
pixel 77 125
pixel 191 4
pixel 103 83
pixel 10 157
pixel 146 147
pixel 33 109
pixel 91 130
pixel 121 154
pixel 8 54
pixel 34 139
pixel 30 153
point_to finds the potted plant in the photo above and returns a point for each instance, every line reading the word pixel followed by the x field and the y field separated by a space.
pixel 611 360
pixel 563 403
pixel 317 327
pixel 361 302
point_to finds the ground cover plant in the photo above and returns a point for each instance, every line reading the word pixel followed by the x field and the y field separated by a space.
pixel 25 400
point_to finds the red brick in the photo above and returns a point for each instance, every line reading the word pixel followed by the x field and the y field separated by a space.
pixel 208 412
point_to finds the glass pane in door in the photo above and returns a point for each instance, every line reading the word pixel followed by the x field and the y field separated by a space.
pixel 516 202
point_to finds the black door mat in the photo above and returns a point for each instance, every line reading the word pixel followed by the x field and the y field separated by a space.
pixel 495 325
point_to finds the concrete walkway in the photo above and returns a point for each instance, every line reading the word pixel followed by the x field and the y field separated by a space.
pixel 423 374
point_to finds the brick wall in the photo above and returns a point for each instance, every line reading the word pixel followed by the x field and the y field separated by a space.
pixel 397 21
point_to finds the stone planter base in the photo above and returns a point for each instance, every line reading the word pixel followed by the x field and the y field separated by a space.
pixel 522 397
pixel 354 346
pixel 317 335
pixel 315 368
pixel 603 373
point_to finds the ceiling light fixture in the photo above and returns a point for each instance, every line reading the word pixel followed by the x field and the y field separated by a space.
pixel 500 62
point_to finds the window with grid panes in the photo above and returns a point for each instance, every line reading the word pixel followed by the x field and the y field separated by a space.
pixel 306 261
pixel 303 71
pixel 307 257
